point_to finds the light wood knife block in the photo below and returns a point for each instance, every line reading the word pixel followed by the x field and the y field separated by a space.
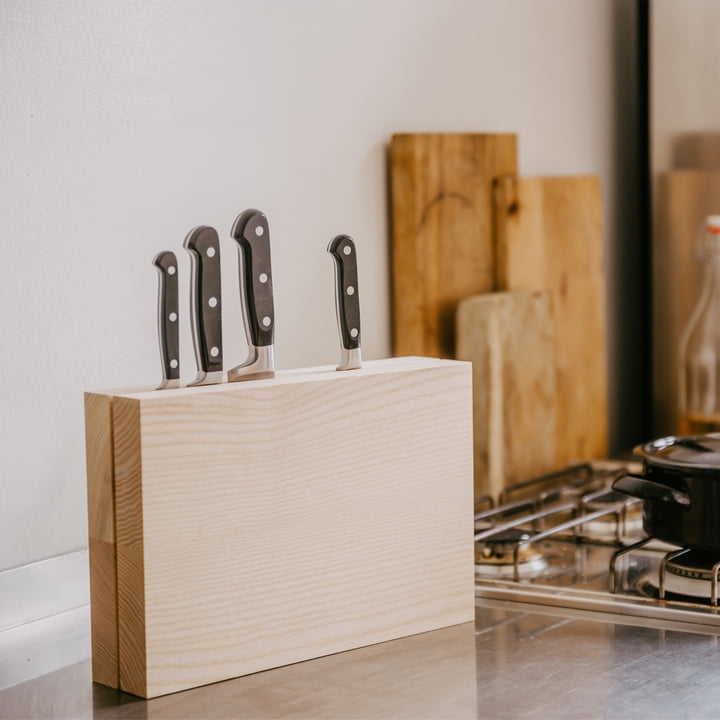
pixel 240 527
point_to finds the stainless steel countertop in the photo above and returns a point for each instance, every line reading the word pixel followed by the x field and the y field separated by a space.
pixel 510 664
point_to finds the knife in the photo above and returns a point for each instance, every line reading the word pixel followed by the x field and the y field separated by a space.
pixel 347 300
pixel 206 304
pixel 168 334
pixel 252 235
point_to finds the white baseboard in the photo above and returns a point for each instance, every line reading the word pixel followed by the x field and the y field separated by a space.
pixel 37 648
pixel 43 589
pixel 44 617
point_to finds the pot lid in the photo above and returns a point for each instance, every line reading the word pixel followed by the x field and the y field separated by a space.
pixel 694 452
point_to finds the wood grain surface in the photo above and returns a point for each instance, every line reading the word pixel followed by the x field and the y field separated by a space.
pixel 508 337
pixel 101 538
pixel 267 522
pixel 442 231
pixel 130 524
pixel 684 198
pixel 549 235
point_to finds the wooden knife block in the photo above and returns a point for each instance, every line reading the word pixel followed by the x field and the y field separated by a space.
pixel 240 527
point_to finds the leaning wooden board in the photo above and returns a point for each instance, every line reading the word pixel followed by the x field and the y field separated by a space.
pixel 549 237
pixel 267 522
pixel 442 231
pixel 508 337
pixel 683 199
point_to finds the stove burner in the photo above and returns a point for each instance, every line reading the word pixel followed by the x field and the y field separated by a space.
pixel 495 556
pixel 690 573
pixel 605 528
pixel 688 577
pixel 647 587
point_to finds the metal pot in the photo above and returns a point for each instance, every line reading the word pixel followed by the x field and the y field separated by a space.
pixel 680 485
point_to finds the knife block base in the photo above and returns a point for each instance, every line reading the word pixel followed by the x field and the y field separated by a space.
pixel 240 527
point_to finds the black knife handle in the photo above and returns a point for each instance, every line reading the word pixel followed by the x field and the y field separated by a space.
pixel 252 234
pixel 342 248
pixel 206 300
pixel 168 311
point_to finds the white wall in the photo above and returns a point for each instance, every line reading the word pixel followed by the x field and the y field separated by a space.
pixel 124 124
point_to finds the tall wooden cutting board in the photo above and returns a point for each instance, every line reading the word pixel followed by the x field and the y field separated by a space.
pixel 684 198
pixel 508 337
pixel 549 235
pixel 442 231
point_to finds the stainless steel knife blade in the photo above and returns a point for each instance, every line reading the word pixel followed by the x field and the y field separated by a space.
pixel 251 232
pixel 206 304
pixel 168 311
pixel 347 300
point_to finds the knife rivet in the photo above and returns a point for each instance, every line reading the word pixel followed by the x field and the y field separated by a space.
pixel 214 352
pixel 210 252
pixel 172 317
pixel 212 302
pixel 266 321
pixel 171 270
pixel 350 290
pixel 354 332
pixel 262 277
pixel 347 249
pixel 259 230
pixel 173 364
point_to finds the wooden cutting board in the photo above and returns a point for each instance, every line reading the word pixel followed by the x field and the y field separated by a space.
pixel 508 337
pixel 549 237
pixel 684 198
pixel 442 234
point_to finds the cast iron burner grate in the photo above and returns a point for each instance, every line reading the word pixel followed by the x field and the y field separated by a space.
pixel 567 540
pixel 575 501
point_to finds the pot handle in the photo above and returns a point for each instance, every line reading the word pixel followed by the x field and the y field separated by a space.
pixel 640 487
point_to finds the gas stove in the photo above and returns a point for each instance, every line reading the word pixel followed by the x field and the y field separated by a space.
pixel 567 541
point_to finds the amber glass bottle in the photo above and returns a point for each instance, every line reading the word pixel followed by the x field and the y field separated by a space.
pixel 699 401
